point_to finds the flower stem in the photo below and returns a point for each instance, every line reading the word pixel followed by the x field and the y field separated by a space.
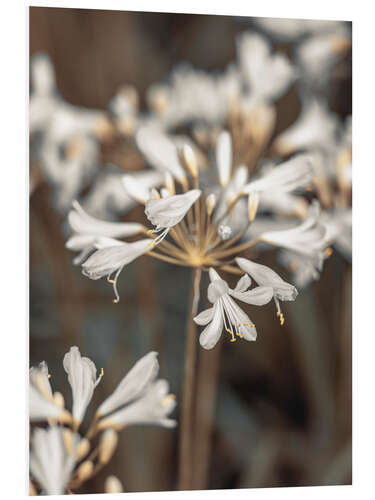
pixel 185 470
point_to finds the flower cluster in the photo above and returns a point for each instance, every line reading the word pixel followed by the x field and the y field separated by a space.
pixel 60 458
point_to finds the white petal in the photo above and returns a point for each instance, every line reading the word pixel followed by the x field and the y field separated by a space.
pixel 224 157
pixel 167 212
pixel 258 296
pixel 263 275
pixel 211 334
pixel 243 283
pixel 204 317
pixel 133 384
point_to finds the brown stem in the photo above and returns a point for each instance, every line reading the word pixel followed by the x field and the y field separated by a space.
pixel 185 469
pixel 208 367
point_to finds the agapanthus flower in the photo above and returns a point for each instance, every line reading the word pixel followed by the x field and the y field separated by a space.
pixel 267 277
pixel 225 313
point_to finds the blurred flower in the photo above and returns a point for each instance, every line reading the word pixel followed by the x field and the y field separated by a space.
pixel 50 463
pixel 266 75
pixel 265 276
pixel 316 126
pixel 82 379
pixel 226 313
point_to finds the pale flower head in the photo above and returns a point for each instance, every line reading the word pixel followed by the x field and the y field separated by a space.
pixel 225 312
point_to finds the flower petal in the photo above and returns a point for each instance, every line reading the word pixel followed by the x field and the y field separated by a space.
pixel 211 334
pixel 243 283
pixel 224 157
pixel 258 296
pixel 204 317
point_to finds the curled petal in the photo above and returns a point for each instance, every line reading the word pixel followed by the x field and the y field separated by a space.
pixel 204 317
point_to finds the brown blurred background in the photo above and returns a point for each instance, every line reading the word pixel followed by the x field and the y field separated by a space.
pixel 283 413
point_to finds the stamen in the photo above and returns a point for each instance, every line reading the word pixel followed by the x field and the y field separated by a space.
pixel 114 283
pixel 49 375
pixel 150 231
pixel 101 372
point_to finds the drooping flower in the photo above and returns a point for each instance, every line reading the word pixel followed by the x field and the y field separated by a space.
pixel 165 213
pixel 111 259
pixel 87 230
pixel 82 379
pixel 265 276
pixel 226 313
pixel 50 463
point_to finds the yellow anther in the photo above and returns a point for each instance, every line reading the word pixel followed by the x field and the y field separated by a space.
pixel 150 231
pixel 282 319
pixel 328 252
pixel 49 375
pixel 240 335
pixel 116 301
pixel 233 339
pixel 229 331
pixel 245 324
pixel 111 281
pixel 101 372
pixel 252 325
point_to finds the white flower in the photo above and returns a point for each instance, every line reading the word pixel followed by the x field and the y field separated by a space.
pixel 152 406
pixel 267 75
pixel 284 178
pixel 265 276
pixel 133 385
pixel 309 238
pixel 316 126
pixel 165 213
pixel 112 259
pixel 82 379
pixel 88 229
pixel 226 313
pixel 50 463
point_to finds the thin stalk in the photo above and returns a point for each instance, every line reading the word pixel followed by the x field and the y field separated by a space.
pixel 208 368
pixel 185 469
pixel 165 258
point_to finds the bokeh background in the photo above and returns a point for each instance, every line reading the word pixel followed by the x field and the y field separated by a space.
pixel 283 410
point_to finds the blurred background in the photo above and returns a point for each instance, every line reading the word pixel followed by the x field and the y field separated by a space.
pixel 283 409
